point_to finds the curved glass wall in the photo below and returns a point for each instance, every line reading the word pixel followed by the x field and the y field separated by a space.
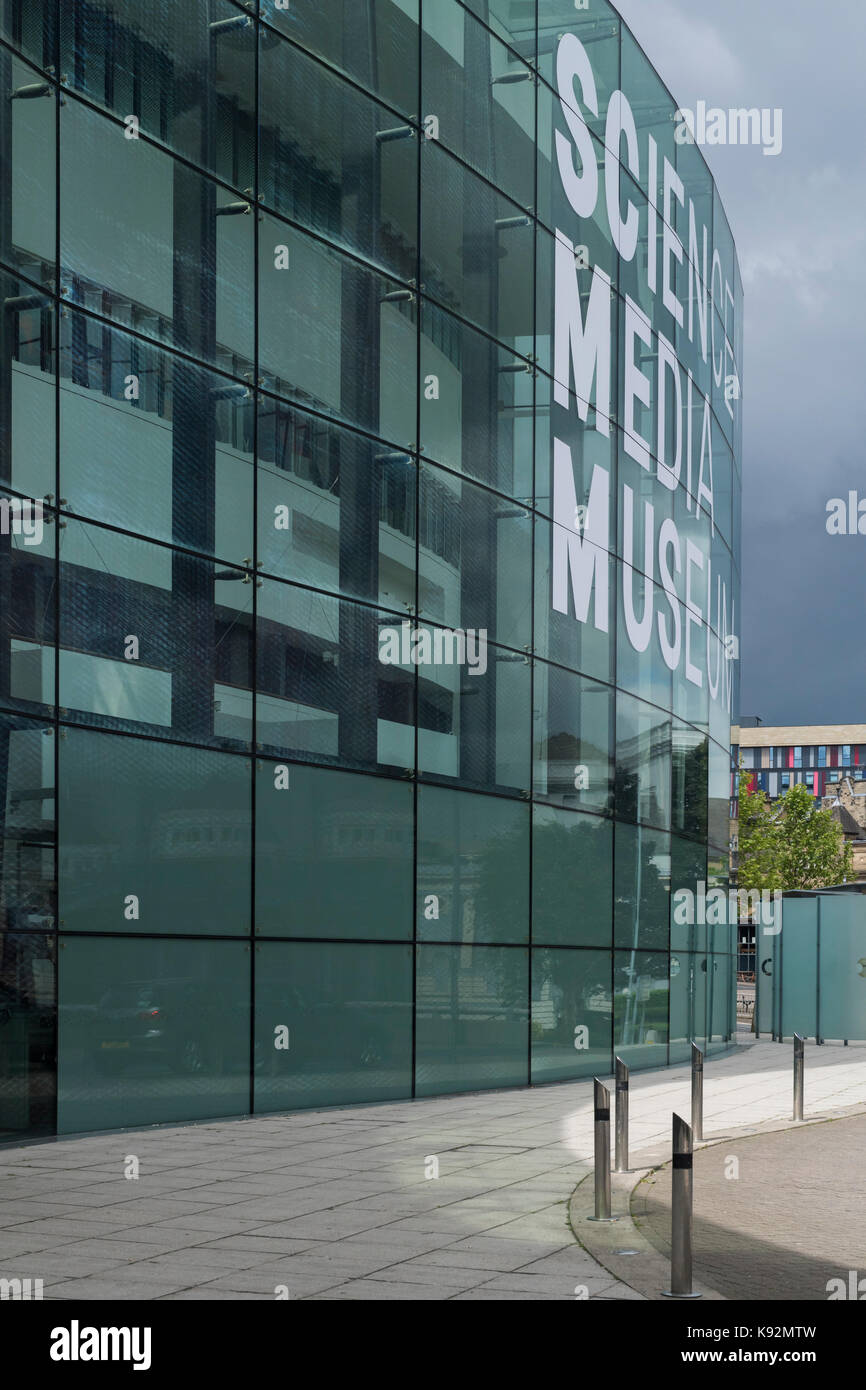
pixel 369 499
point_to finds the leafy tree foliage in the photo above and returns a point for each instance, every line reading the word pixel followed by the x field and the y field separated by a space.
pixel 790 843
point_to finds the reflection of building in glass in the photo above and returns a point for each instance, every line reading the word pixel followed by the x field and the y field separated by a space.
pixel 281 296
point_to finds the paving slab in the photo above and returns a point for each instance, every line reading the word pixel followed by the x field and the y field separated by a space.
pixel 339 1203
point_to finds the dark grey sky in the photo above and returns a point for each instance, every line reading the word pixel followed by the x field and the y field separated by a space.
pixel 799 223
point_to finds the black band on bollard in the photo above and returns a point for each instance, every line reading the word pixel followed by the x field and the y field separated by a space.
pixel 602 1114
pixel 682 1160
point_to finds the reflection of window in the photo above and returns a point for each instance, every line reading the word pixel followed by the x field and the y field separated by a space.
pixel 117 689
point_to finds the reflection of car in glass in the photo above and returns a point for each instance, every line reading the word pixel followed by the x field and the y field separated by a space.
pixel 160 1021
pixel 336 1035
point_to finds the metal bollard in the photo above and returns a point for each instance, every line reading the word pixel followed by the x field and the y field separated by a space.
pixel 799 1069
pixel 602 1153
pixel 681 1213
pixel 621 1141
pixel 697 1092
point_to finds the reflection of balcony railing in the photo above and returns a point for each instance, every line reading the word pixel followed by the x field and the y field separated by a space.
pixel 97 359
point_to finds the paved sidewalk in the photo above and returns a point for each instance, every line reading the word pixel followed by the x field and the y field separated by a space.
pixel 338 1204
pixel 780 1223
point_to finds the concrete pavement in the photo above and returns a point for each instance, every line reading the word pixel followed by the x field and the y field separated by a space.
pixel 347 1204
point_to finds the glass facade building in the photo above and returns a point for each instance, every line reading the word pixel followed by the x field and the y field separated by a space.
pixel 365 679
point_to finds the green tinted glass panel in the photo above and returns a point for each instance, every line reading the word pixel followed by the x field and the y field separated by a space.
pixel 474 728
pixel 153 639
pixel 641 994
pixel 471 1018
pixel 152 1031
pixel 473 867
pixel 572 872
pixel 316 134
pixel 559 635
pixel 572 740
pixel 374 41
pixel 688 985
pixel 689 887
pixel 642 887
pixel 643 763
pixel 796 967
pixel 721 975
pixel 571 1014
pixel 28 1041
pixel 156 838
pixel 483 96
pixel 333 854
pixel 337 509
pixel 153 443
pixel 150 242
pixel 335 335
pixel 842 971
pixel 333 1024
pixel 477 249
pixel 324 693
pixel 28 234
pixel 476 403
pixel 187 71
pixel 475 553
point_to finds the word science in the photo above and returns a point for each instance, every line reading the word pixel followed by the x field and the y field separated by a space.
pixel 669 512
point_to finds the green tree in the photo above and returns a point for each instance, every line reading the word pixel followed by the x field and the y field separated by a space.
pixel 791 843
pixel 812 852
pixel 757 838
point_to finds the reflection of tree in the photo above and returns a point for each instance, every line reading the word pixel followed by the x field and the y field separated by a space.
pixel 694 786
pixel 571 881
pixel 571 884
pixel 641 890
pixel 643 912
pixel 571 905
pixel 625 788
pixel 642 997
pixel 578 985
